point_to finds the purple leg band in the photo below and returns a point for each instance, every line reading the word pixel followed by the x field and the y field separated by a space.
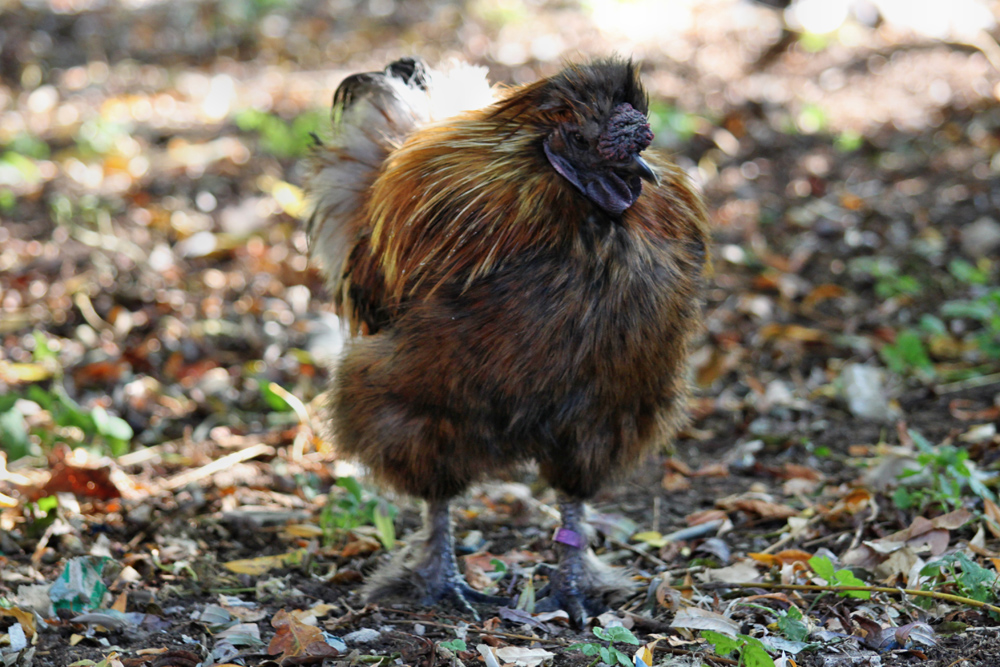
pixel 570 537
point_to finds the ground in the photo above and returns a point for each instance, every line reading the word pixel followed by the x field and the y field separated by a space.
pixel 165 341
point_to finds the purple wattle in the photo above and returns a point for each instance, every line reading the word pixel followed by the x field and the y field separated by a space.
pixel 626 134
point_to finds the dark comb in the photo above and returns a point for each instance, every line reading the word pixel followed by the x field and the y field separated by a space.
pixel 626 134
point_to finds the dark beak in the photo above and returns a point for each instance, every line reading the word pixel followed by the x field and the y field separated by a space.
pixel 641 168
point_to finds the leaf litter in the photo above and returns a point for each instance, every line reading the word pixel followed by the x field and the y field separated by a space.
pixel 162 476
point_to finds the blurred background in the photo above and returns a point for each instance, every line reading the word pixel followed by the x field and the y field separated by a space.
pixel 153 275
pixel 157 303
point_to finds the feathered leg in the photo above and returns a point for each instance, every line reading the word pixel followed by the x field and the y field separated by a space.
pixel 428 570
pixel 580 583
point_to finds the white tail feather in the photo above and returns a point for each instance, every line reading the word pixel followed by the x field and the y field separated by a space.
pixel 377 119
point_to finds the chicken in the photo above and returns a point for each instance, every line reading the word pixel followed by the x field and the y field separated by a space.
pixel 521 278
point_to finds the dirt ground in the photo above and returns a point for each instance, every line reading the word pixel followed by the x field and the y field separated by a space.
pixel 852 181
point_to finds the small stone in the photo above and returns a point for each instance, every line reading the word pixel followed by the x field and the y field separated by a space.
pixel 362 636
pixel 981 238
pixel 865 394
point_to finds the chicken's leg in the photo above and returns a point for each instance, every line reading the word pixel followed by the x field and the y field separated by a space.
pixel 429 569
pixel 579 584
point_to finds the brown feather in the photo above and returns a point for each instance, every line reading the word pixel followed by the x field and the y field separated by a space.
pixel 514 320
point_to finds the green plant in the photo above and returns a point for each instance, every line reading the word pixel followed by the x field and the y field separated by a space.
pixel 78 426
pixel 824 569
pixel 751 652
pixel 792 625
pixel 848 141
pixel 607 653
pixel 347 511
pixel 972 580
pixel 948 474
pixel 672 125
pixel 281 139
pixel 968 273
pixel 454 645
pixel 907 354
pixel 984 310
pixel 812 119
pixel 789 622
pixel 889 279
pixel 41 514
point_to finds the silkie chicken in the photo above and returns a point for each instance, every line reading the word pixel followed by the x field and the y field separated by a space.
pixel 521 281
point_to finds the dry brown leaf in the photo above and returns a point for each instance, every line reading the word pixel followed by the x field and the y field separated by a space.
pixel 793 332
pixel 898 564
pixel 678 466
pixel 795 471
pixel 674 482
pixel 704 516
pixel 855 501
pixel 762 508
pixel 822 293
pixel 712 470
pixel 667 596
pixel 295 639
pixel 25 618
pixel 965 410
pixel 360 545
pixel 85 482
pixel 782 557
pixel 992 512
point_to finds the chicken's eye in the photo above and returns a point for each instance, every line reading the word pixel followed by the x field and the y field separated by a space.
pixel 577 140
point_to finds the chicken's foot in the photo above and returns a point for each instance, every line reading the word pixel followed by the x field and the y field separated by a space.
pixel 429 570
pixel 577 585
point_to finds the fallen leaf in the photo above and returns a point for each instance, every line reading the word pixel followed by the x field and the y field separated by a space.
pixel 694 618
pixel 295 639
pixel 25 618
pixel 793 332
pixel 782 557
pixel 763 508
pixel 992 516
pixel 262 564
pixel 738 573
pixel 964 409
pixel 23 373
pixel 524 657
pixel 86 482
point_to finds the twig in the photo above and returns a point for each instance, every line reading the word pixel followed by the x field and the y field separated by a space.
pixel 639 552
pixel 472 628
pixel 229 460
pixel 142 455
pixel 560 643
pixel 680 651
pixel 298 446
pixel 86 308
pixel 968 383
pixel 948 597
pixel 789 536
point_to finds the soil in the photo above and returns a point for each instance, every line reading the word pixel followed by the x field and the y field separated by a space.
pixel 878 148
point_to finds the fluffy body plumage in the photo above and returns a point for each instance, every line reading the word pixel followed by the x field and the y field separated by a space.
pixel 517 292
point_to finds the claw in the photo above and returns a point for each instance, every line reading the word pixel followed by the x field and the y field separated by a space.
pixel 566 595
pixel 579 584
pixel 460 594
pixel 429 572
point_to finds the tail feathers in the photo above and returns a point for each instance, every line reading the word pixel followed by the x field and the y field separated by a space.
pixel 373 113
